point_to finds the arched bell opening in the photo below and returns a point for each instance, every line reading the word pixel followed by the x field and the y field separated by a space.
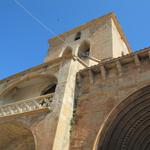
pixel 84 51
pixel 16 137
pixel 128 125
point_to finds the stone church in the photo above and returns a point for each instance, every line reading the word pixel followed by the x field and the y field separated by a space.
pixel 91 93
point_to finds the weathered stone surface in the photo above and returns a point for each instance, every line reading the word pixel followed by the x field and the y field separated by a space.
pixel 87 90
pixel 103 97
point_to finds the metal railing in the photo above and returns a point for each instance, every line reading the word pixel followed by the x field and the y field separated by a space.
pixel 28 105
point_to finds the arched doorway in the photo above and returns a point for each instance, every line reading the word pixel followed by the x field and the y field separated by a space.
pixel 128 126
pixel 16 137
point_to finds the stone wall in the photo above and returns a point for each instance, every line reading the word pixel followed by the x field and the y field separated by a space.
pixel 119 46
pixel 42 125
pixel 101 88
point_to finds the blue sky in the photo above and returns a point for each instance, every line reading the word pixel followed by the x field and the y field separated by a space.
pixel 23 42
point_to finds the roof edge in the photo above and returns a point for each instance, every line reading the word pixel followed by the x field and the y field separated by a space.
pixel 100 19
pixel 32 69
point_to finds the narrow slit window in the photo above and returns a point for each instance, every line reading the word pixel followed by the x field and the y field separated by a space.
pixel 78 36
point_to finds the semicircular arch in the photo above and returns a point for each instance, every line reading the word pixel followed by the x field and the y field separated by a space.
pixel 26 78
pixel 128 124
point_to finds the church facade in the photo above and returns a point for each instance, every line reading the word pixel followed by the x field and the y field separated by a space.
pixel 91 93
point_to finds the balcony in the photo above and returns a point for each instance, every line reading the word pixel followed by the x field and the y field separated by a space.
pixel 30 106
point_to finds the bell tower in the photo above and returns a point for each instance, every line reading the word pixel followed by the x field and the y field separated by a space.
pixel 101 38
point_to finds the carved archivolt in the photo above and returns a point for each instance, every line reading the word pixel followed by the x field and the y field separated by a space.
pixel 128 125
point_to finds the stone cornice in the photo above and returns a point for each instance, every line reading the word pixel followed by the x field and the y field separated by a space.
pixel 119 62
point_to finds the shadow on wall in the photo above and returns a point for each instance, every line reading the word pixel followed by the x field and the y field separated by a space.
pixel 67 52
